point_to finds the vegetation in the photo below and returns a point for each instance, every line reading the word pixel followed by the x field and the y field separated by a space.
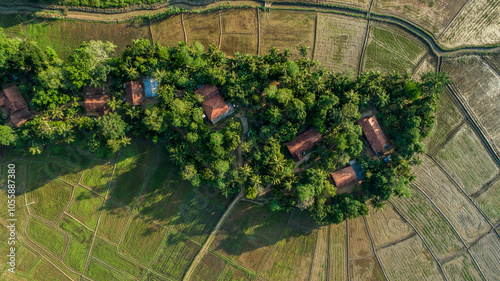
pixel 281 97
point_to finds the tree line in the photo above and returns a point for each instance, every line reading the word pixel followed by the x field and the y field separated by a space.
pixel 281 95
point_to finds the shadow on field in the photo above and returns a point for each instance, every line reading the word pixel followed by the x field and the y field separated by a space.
pixel 146 179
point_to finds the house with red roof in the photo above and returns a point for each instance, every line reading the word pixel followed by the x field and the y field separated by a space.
pixel 16 106
pixel 303 142
pixel 134 93
pixel 376 137
pixel 214 105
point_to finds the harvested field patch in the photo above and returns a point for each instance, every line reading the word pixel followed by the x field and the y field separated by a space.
pixel 51 199
pixel 109 255
pixel 387 226
pixel 410 253
pixel 489 202
pixel 195 217
pixel 142 239
pixel 47 236
pixel 477 24
pixel 427 64
pixel 239 21
pixel 359 242
pixel 448 117
pixel 292 257
pixel 86 206
pixel 364 4
pixel 467 161
pixel 390 48
pixel 175 256
pixel 487 254
pixel 242 43
pixel 203 28
pixel 339 41
pixel 462 267
pixel 478 83
pixel 432 15
pixel 232 273
pixel 165 192
pixel 493 60
pixel 431 225
pixel 366 269
pixel 320 258
pixel 285 29
pixel 97 177
pixel 44 271
pixel 66 35
pixel 98 271
pixel 209 268
pixel 168 31
pixel 25 259
pixel 466 219
pixel 337 268
pixel 79 244
pixel 112 222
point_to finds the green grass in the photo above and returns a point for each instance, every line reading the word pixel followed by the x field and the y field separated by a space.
pixel 71 155
pixel 448 116
pixel 50 199
pixel 209 268
pixel 44 271
pixel 79 245
pixel 436 232
pixel 97 177
pixel 195 217
pixel 129 177
pixel 142 240
pixel 47 237
pixel 63 171
pixel 66 35
pixel 86 206
pixel 468 162
pixel 462 267
pixel 98 271
pixel 391 50
pixel 112 222
pixel 232 273
pixel 13 25
pixel 175 256
pixel 108 254
pixel 489 202
pixel 25 259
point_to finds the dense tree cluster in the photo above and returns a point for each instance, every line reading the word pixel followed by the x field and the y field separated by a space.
pixel 279 95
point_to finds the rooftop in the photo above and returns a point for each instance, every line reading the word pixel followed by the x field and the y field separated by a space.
pixel 20 117
pixel 133 93
pixel 97 103
pixel 13 100
pixel 151 87
pixel 214 105
pixel 303 142
pixel 345 177
pixel 374 134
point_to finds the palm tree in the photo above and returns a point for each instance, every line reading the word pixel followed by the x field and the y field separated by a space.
pixel 114 103
pixel 132 73
pixel 382 99
pixel 352 96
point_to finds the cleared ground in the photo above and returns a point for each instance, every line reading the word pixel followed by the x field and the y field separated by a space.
pixel 239 31
pixel 339 40
pixel 391 49
pixel 478 23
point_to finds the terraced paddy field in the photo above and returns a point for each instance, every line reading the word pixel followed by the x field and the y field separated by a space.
pixel 131 217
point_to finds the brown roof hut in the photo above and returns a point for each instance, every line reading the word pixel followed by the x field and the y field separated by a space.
pixel 97 103
pixel 15 104
pixel 345 177
pixel 374 134
pixel 134 93
pixel 214 105
pixel 303 142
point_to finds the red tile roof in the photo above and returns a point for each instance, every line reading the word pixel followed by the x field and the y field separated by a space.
pixel 20 117
pixel 13 100
pixel 97 103
pixel 303 142
pixel 214 105
pixel 374 134
pixel 134 93
pixel 345 177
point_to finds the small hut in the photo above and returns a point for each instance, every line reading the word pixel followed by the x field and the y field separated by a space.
pixel 15 104
pixel 214 105
pixel 134 93
pixel 376 137
pixel 303 142
pixel 97 103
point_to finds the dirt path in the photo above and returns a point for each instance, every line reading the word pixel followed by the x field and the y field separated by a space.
pixel 210 238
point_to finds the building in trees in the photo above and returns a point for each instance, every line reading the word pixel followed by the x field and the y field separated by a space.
pixel 347 177
pixel 303 142
pixel 214 105
pixel 376 137
pixel 151 87
pixel 16 106
pixel 96 103
pixel 134 93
